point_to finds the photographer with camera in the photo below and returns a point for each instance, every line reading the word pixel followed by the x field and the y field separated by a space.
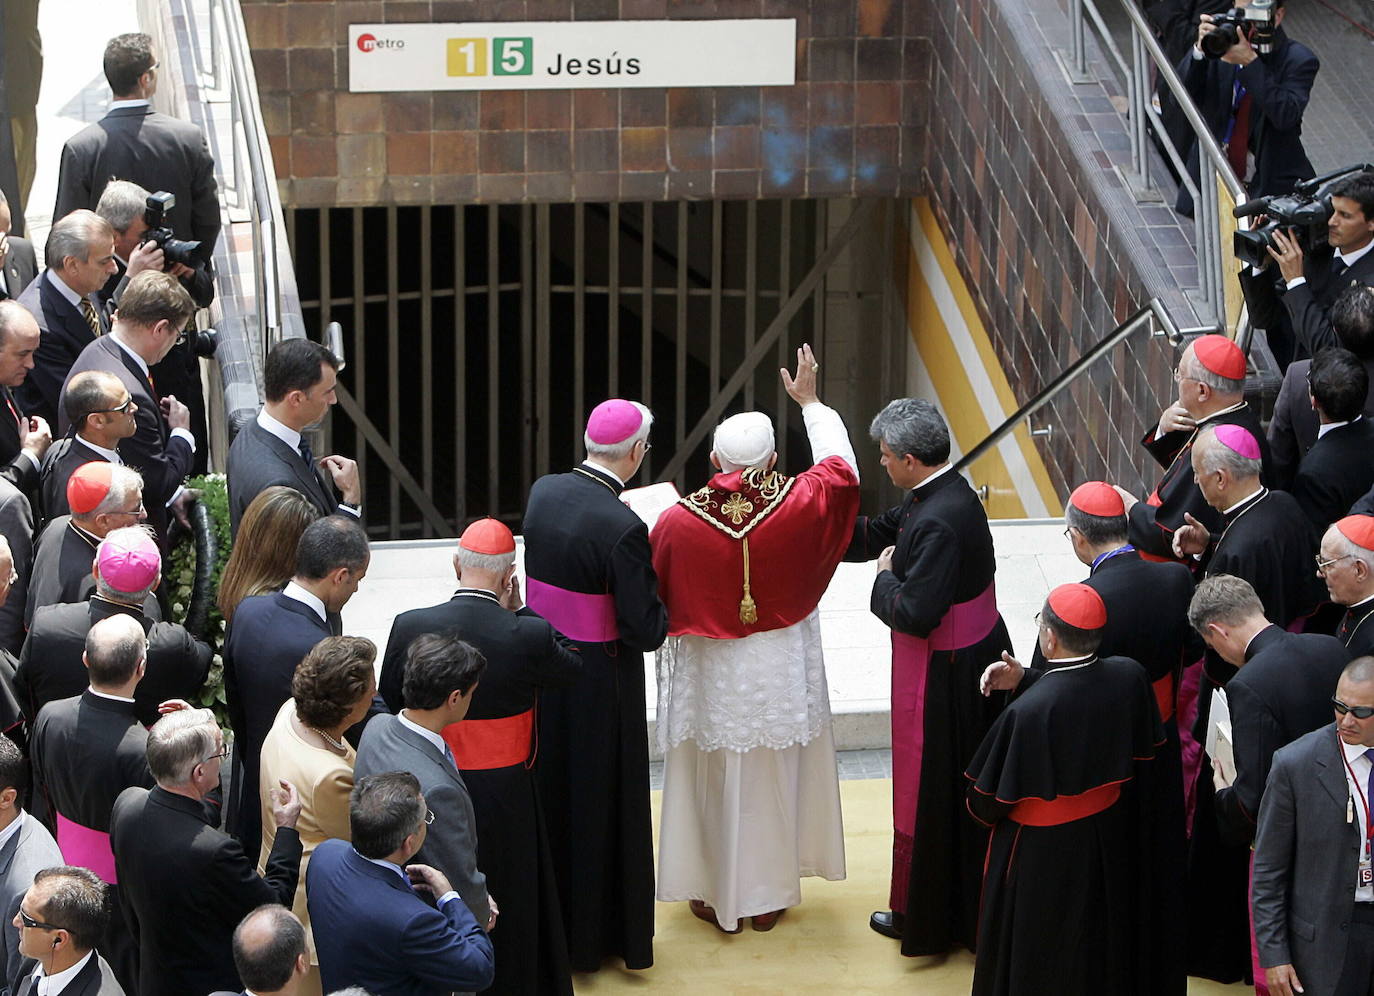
pixel 1251 84
pixel 1293 305
pixel 127 206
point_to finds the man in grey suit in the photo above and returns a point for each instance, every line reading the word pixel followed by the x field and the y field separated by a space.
pixel 298 384
pixel 440 676
pixel 18 264
pixel 61 918
pixel 1313 891
pixel 26 848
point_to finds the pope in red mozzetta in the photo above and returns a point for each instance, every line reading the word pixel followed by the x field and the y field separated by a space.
pixel 750 796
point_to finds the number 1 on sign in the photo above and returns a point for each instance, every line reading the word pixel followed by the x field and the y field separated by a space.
pixel 467 57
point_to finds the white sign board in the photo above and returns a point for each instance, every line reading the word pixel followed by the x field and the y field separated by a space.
pixel 563 55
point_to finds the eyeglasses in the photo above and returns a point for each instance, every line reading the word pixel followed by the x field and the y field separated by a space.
pixel 221 755
pixel 121 410
pixel 1359 712
pixel 133 511
pixel 1322 565
pixel 1067 531
pixel 429 817
pixel 152 67
pixel 29 921
pixel 647 445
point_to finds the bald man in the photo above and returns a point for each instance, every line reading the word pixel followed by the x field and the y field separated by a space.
pixel 102 412
pixel 269 952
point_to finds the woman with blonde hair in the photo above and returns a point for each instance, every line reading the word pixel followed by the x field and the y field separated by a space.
pixel 331 691
pixel 264 555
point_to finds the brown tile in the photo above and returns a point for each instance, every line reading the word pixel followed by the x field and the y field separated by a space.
pixel 643 186
pixel 280 148
pixel 831 103
pixel 830 59
pixel 314 192
pixel 276 113
pixel 596 10
pixel 548 152
pixel 691 185
pixel 454 152
pixel 548 109
pixel 877 103
pixel 270 69
pixel 880 18
pixel 498 189
pixel 312 112
pixel 457 11
pixel 502 110
pixel 408 12
pixel 691 107
pixel 265 24
pixel 737 105
pixel 643 148
pixel 456 110
pixel 548 10
pixel 736 148
pixel 739 8
pixel 785 106
pixel 309 25
pixel 313 156
pixel 596 186
pixel 356 113
pixel 501 152
pixel 879 59
pixel 408 111
pixel 596 150
pixel 359 191
pixel 596 108
pixel 690 148
pixel 643 10
pixel 832 149
pixel 876 147
pixel 557 187
pixel 737 183
pixel 310 68
pixel 407 153
pixel 360 155
pixel 832 19
pixel 348 12
pixel 643 108
pixel 454 189
pixel 782 183
pixel 409 189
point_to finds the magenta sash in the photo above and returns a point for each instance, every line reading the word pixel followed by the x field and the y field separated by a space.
pixel 87 848
pixel 577 615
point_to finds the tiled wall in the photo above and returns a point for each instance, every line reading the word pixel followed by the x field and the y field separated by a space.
pixel 851 126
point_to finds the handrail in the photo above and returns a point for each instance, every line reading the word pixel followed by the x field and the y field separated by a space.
pixel 1153 310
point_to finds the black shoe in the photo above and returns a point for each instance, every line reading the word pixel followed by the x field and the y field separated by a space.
pixel 887 923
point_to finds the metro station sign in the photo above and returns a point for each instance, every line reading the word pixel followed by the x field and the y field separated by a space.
pixel 571 55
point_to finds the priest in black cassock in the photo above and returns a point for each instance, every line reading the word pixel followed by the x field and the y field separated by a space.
pixel 935 590
pixel 1345 561
pixel 494 747
pixel 1211 391
pixel 590 574
pixel 1067 894
pixel 1339 468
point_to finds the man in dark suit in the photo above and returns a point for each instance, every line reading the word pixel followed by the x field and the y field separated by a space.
pixel 1293 429
pixel 61 918
pixel 1313 900
pixel 152 313
pixel 18 265
pixel 1345 561
pixel 1294 306
pixel 269 952
pixel 25 848
pixel 16 528
pixel 371 928
pixel 80 258
pixel 87 749
pixel 127 569
pixel 298 383
pixel 101 413
pixel 23 441
pixel 269 636
pixel 1337 470
pixel 186 885
pixel 124 205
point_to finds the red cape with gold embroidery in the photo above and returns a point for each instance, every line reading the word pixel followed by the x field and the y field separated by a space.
pixel 797 529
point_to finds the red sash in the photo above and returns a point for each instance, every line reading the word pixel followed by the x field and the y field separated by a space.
pixel 1164 697
pixel 1066 808
pixel 478 744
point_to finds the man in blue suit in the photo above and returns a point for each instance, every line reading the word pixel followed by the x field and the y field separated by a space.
pixel 372 928
pixel 269 636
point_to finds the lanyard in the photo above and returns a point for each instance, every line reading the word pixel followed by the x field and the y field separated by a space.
pixel 1364 802
pixel 1109 555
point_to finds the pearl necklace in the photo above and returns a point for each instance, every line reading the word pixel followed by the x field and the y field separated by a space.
pixel 337 745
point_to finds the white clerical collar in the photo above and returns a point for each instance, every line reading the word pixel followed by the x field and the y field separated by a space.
pixel 60 285
pixel 107 695
pixel 1252 494
pixel 1225 411
pixel 11 830
pixel 1355 255
pixel 589 462
pixel 943 470
pixel 1326 427
pixel 293 590
pixel 128 102
pixel 111 456
pixel 429 735
pixel 281 430
pixel 50 985
pixel 1057 664
pixel 142 363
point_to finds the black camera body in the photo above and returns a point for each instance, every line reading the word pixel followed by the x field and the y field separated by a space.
pixel 174 250
pixel 1257 22
pixel 1306 214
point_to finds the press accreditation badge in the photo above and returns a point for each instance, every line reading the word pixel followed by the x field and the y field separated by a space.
pixel 1366 874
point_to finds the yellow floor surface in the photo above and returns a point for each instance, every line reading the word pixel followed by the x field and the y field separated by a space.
pixel 823 945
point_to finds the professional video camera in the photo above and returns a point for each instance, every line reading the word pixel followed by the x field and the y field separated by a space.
pixel 1256 22
pixel 174 250
pixel 1303 214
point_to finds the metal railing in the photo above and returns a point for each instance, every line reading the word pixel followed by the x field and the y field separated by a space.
pixel 1212 231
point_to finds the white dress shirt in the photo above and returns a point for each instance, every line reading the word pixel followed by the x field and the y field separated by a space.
pixel 52 985
pixel 295 591
pixel 1357 767
pixel 1349 258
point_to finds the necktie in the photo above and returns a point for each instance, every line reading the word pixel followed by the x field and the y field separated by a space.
pixel 1238 141
pixel 448 754
pixel 92 319
pixel 307 455
pixel 1369 785
pixel 1337 268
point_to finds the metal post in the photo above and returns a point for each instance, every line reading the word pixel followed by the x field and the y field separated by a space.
pixel 1080 49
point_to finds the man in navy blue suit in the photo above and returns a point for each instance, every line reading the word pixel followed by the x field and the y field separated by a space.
pixel 372 927
pixel 269 636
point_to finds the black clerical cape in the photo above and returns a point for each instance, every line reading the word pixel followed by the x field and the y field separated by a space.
pixel 1073 864
pixel 589 573
pixel 940 603
pixel 1356 630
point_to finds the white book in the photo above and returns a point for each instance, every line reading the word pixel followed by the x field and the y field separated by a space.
pixel 652 501
pixel 1219 743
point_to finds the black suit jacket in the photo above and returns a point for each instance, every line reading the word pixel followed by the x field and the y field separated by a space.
pixel 62 561
pixel 258 460
pixel 268 637
pixel 153 150
pixel 16 525
pixel 94 979
pixel 50 666
pixel 1337 470
pixel 64 334
pixel 185 887
pixel 14 467
pixel 1304 311
pixel 1293 429
pixel 162 459
pixel 61 460
pixel 21 266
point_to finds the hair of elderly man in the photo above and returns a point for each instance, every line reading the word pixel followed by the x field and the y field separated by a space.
pixel 178 742
pixel 329 543
pixel 617 451
pixel 915 426
pixel 496 563
pixel 1223 598
pixel 1216 455
pixel 351 991
pixel 73 236
pixel 1339 383
pixel 77 901
pixel 383 810
pixel 103 586
pixel 153 296
pixel 13 767
pixel 115 647
pixel 1346 547
pixel 11 314
pixel 1194 370
pixel 124 481
pixel 89 392
pixel 121 202
pixel 1352 319
pixel 267 944
pixel 1074 640
pixel 127 57
pixel 1096 529
pixel 437 665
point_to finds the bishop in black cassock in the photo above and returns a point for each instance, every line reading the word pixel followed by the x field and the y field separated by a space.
pixel 1345 562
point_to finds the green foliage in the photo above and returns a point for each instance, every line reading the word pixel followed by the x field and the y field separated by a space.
pixel 214 495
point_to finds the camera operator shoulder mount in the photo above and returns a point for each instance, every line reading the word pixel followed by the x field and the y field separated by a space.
pixel 1306 211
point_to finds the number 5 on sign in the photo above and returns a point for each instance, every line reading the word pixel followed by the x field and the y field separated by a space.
pixel 513 56
pixel 467 57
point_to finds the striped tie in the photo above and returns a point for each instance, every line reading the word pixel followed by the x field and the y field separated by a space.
pixel 92 319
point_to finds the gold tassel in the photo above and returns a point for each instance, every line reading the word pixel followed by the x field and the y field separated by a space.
pixel 748 613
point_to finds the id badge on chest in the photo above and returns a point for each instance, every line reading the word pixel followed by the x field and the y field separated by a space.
pixel 1366 873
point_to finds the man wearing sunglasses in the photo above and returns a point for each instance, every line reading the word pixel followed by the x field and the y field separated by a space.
pixel 101 412
pixel 1313 895
pixel 60 920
